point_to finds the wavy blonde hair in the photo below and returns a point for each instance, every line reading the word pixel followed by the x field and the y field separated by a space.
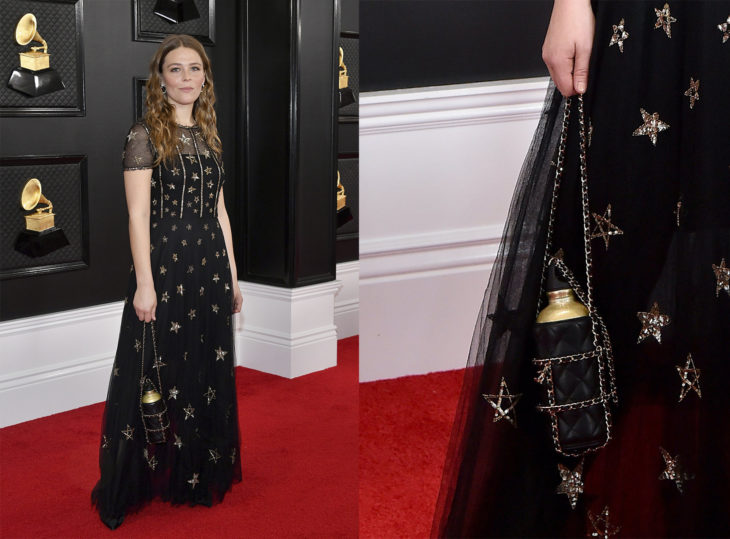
pixel 160 114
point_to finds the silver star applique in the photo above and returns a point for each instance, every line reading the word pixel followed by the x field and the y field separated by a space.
pixel 722 274
pixel 151 462
pixel 673 470
pixel 693 92
pixel 184 139
pixel 725 29
pixel 178 442
pixel 128 433
pixel 158 363
pixel 189 411
pixel 233 456
pixel 214 456
pixel 165 297
pixel 194 480
pixel 495 401
pixel 132 135
pixel 180 289
pixel 601 525
pixel 174 327
pixel 690 376
pixel 174 392
pixel 652 126
pixel 652 323
pixel 209 395
pixel 619 35
pixel 220 354
pixel 664 20
pixel 604 227
pixel 572 482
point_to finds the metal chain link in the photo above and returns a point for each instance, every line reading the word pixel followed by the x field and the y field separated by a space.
pixel 142 377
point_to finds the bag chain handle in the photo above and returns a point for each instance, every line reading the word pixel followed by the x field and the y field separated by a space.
pixel 156 359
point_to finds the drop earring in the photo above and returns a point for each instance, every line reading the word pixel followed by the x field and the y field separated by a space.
pixel 164 90
pixel 202 87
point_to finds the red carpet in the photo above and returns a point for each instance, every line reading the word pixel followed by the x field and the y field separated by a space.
pixel 405 425
pixel 299 456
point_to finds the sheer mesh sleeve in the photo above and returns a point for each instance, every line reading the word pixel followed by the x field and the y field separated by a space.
pixel 138 151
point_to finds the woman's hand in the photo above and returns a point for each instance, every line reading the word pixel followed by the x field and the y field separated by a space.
pixel 145 303
pixel 237 298
pixel 568 42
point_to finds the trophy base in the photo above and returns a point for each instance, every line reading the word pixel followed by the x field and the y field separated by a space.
pixel 346 97
pixel 175 11
pixel 35 244
pixel 35 83
pixel 344 216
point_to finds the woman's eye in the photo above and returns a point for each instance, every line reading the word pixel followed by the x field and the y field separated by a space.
pixel 196 68
pixel 174 69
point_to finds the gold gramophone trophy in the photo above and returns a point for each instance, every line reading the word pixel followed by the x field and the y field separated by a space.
pixel 35 76
pixel 346 95
pixel 344 214
pixel 40 236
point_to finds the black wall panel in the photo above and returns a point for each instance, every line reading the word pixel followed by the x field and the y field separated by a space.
pixel 413 43
pixel 112 59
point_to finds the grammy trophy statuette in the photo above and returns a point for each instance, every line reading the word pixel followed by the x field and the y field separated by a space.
pixel 35 76
pixel 346 95
pixel 344 214
pixel 175 11
pixel 40 236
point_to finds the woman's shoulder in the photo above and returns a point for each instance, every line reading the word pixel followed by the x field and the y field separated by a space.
pixel 138 129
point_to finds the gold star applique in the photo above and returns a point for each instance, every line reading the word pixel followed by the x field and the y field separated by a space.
pixel 184 139
pixel 164 239
pixel 178 442
pixel 163 270
pixel 725 29
pixel 206 153
pixel 195 176
pixel 189 412
pixel 180 289
pixel 151 462
pixel 674 471
pixel 191 314
pixel 495 401
pixel 572 482
pixel 208 170
pixel 216 278
pixel 226 287
pixel 601 525
pixel 174 326
pixel 132 135
pixel 604 227
pixel 128 433
pixel 171 186
pixel 233 456
pixel 220 354
pixel 174 257
pixel 191 269
pixel 184 243
pixel 192 159
pixel 215 308
pixel 652 323
pixel 175 171
pixel 664 20
pixel 202 290
pixel 192 188
pixel 209 395
pixel 174 392
pixel 105 442
pixel 722 274
pixel 214 455
pixel 165 297
pixel 652 126
pixel 693 92
pixel 203 262
pixel 619 35
pixel 137 345
pixel 210 186
pixel 194 480
pixel 690 376
pixel 137 160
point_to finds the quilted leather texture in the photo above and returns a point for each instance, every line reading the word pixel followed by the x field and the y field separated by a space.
pixel 582 429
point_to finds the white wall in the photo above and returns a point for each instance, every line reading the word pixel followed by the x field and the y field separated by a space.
pixel 437 170
pixel 60 361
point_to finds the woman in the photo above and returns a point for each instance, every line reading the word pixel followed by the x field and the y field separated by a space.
pixel 658 163
pixel 183 290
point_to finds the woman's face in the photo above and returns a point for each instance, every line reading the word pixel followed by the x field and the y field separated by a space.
pixel 183 76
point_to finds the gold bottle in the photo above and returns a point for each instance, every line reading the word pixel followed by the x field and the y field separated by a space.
pixel 562 305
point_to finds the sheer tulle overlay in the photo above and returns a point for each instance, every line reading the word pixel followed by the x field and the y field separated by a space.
pixel 201 458
pixel 670 246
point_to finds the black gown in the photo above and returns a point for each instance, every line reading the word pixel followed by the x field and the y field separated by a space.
pixel 201 457
pixel 664 242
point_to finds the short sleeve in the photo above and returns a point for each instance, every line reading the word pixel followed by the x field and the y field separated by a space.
pixel 138 151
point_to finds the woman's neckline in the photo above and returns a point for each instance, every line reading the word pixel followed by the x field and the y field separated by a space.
pixel 186 126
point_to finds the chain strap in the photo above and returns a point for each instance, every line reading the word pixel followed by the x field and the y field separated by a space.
pixel 142 376
pixel 603 351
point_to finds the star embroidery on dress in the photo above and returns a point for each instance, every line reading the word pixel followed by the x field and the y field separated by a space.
pixel 673 470
pixel 163 270
pixel 216 278
pixel 214 455
pixel 690 376
pixel 619 35
pixel 137 160
pixel 495 401
pixel 184 243
pixel 165 297
pixel 208 170
pixel 128 433
pixel 174 392
pixel 220 354
pixel 725 29
pixel 153 182
pixel 195 176
pixel 105 442
pixel 205 226
pixel 184 139
pixel 722 274
pixel 194 480
pixel 604 227
pixel 601 525
pixel 226 287
pixel 664 20
pixel 209 395
pixel 210 186
pixel 572 482
pixel 693 92
pixel 199 241
pixel 215 308
pixel 191 189
pixel 151 462
pixel 189 412
pixel 652 323
pixel 203 262
pixel 137 345
pixel 192 159
pixel 206 153
pixel 652 126
pixel 175 171
pixel 158 364
pixel 233 456
pixel 164 239
pixel 132 135
pixel 174 326
pixel 116 371
pixel 180 289
pixel 202 290
pixel 174 257
pixel 178 442
pixel 171 186
pixel 191 269
pixel 191 314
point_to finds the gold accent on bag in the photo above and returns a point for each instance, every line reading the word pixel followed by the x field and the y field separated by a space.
pixel 562 305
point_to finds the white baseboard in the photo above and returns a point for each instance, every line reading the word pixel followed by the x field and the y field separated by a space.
pixel 60 361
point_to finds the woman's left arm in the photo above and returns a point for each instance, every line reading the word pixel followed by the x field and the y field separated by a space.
pixel 228 237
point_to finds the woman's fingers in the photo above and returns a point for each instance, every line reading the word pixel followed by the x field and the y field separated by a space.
pixel 580 69
pixel 560 67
